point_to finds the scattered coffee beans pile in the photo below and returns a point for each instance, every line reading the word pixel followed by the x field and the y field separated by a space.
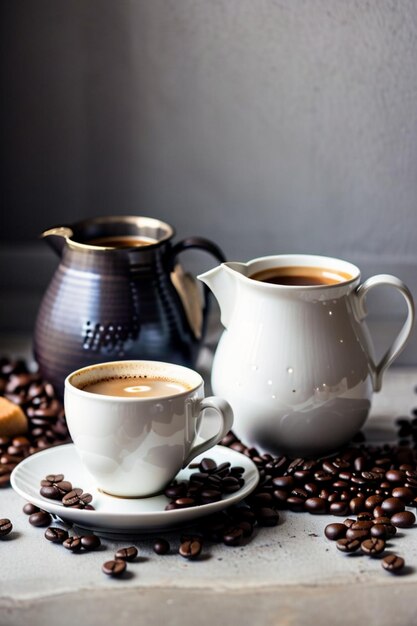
pixel 375 483
pixel 46 420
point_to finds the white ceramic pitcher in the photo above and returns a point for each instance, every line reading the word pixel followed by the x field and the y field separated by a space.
pixel 296 362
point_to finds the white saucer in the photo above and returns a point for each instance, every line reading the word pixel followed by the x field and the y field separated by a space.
pixel 114 515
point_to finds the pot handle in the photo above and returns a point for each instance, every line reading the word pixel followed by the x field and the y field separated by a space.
pixel 377 369
pixel 186 285
pixel 201 244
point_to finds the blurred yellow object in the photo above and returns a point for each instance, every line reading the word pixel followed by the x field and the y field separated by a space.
pixel 12 419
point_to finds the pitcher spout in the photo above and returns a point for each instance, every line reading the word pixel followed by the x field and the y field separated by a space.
pixel 57 238
pixel 222 282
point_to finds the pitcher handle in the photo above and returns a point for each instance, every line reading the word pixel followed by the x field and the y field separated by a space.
pixel 224 411
pixel 201 244
pixel 197 320
pixel 377 369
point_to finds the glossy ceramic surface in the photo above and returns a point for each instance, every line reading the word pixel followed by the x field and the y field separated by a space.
pixel 135 446
pixel 107 303
pixel 296 363
pixel 119 515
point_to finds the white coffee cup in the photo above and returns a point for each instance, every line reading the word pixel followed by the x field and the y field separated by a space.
pixel 134 446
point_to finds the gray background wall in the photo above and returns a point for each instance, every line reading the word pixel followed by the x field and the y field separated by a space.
pixel 269 126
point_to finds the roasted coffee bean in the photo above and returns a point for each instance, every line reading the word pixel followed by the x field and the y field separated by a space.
pixel 393 505
pixel 357 505
pixel 340 484
pixel 339 508
pixel 283 482
pixel 233 537
pixel 281 496
pixel 372 502
pixel 30 508
pixel 223 468
pixel 237 471
pixel 210 495
pixel 262 499
pixel 393 563
pixel 360 534
pixel 302 475
pixel 312 489
pixel 64 486
pixel 386 521
pixel 295 464
pixel 373 546
pixel 190 549
pixel 230 484
pixel 299 492
pixel 199 477
pixel 90 542
pixel 247 528
pixel 73 544
pixel 348 545
pixel 349 522
pixel 329 467
pixel 404 493
pixel 72 497
pixel 323 477
pixel 56 534
pixel 76 498
pixel 244 513
pixel 114 568
pixel 127 554
pixel 6 527
pixel 266 516
pixel 380 531
pixel 395 476
pixel 359 464
pixel 4 480
pixel 335 531
pixel 316 505
pixel 50 492
pixel 161 546
pixel 40 519
pixel 295 504
pixel 403 519
pixel 207 465
pixel 378 512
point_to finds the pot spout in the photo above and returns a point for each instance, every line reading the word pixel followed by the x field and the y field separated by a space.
pixel 222 282
pixel 57 238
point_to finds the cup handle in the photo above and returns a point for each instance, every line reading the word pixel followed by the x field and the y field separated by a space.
pixel 377 369
pixel 224 410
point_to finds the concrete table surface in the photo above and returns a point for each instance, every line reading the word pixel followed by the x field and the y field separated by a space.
pixel 290 574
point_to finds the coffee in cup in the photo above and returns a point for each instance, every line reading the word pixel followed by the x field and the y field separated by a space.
pixel 136 423
pixel 136 387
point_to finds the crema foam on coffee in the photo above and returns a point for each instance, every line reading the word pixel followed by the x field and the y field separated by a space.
pixel 137 387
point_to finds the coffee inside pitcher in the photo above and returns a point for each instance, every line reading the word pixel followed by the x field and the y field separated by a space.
pixel 301 276
pixel 122 241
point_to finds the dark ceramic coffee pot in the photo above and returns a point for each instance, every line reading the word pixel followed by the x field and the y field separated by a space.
pixel 119 293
